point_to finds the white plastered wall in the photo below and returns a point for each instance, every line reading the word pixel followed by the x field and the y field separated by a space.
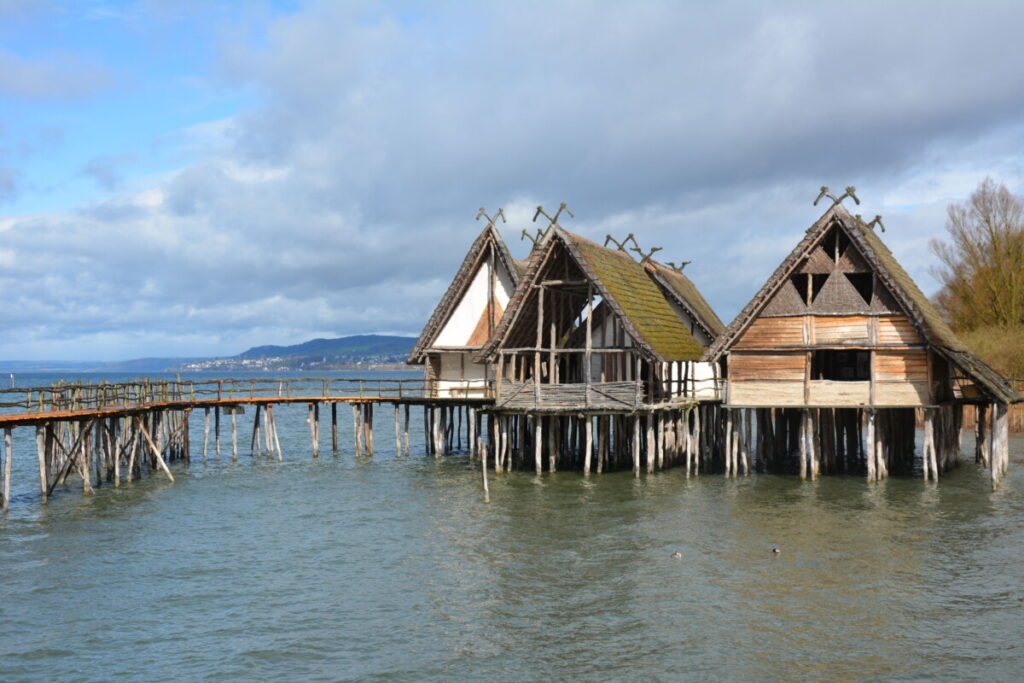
pixel 468 311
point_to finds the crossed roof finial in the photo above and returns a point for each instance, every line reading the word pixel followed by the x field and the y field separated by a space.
pixel 553 221
pixel 621 245
pixel 877 220
pixel 825 192
pixel 490 221
pixel 678 268
pixel 532 238
pixel 645 257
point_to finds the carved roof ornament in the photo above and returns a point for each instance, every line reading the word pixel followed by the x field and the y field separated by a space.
pixel 490 221
pixel 877 220
pixel 825 192
pixel 621 246
pixel 678 268
pixel 553 221
pixel 645 257
pixel 525 235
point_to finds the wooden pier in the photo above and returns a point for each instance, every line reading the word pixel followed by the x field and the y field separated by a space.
pixel 114 433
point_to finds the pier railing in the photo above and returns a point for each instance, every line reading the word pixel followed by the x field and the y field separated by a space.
pixel 80 396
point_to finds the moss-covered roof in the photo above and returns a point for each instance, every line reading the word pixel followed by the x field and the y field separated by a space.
pixel 688 296
pixel 636 298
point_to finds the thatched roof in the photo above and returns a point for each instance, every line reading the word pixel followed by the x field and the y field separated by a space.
pixel 685 293
pixel 627 288
pixel 915 304
pixel 470 265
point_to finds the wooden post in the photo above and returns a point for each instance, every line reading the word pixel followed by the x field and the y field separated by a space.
pixel 40 453
pixel 636 444
pixel 928 460
pixel 471 416
pixel 805 419
pixel 871 445
pixel 216 429
pixel 538 443
pixel 651 449
pixel 368 426
pixel 357 430
pixel 255 431
pixel 156 451
pixel 407 429
pixel 398 435
pixel 206 430
pixel 312 415
pixel 587 442
pixel 234 432
pixel 8 456
pixel 540 343
pixel 334 427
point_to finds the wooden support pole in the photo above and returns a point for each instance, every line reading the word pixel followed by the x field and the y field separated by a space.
pixel 871 444
pixel 483 475
pixel 636 444
pixel 216 429
pixel 587 441
pixel 538 443
pixel 651 448
pixel 311 419
pixel 805 426
pixel 41 454
pixel 334 427
pixel 398 434
pixel 8 457
pixel 234 433
pixel 357 430
pixel 255 432
pixel 156 451
pixel 406 429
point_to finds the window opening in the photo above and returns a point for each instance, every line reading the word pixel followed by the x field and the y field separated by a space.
pixel 835 244
pixel 841 366
pixel 864 283
pixel 809 285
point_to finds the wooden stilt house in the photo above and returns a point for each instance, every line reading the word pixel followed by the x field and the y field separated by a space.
pixel 597 362
pixel 590 326
pixel 838 342
pixel 465 319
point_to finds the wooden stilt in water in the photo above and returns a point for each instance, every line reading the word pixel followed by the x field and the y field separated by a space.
pixel 651 448
pixel 805 420
pixel 216 429
pixel 357 430
pixel 40 453
pixel 406 429
pixel 587 443
pixel 636 445
pixel 398 435
pixel 8 456
pixel 311 420
pixel 206 431
pixel 334 427
pixel 255 432
pixel 483 475
pixel 234 433
pixel 156 451
pixel 871 444
pixel 368 427
pixel 538 443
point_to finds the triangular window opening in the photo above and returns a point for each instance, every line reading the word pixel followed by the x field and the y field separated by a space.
pixel 808 285
pixel 864 283
pixel 835 244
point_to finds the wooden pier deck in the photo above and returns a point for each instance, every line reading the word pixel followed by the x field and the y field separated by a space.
pixel 116 432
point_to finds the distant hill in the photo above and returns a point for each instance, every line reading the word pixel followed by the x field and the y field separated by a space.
pixel 361 346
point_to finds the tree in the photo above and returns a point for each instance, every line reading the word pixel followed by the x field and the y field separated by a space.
pixel 982 271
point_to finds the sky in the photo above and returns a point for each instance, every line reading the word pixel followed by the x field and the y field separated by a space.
pixel 195 178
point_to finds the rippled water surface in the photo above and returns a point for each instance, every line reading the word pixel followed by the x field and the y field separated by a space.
pixel 392 568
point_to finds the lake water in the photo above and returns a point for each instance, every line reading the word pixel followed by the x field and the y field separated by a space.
pixel 393 569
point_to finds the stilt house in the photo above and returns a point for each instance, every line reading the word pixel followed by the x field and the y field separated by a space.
pixel 839 336
pixel 590 327
pixel 465 319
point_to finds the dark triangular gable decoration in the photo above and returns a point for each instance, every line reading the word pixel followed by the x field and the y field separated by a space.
pixel 838 295
pixel 463 278
pixel 882 301
pixel 890 276
pixel 818 263
pixel 786 302
pixel 852 262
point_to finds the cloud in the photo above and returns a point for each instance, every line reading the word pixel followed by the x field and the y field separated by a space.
pixel 59 75
pixel 343 201
pixel 105 170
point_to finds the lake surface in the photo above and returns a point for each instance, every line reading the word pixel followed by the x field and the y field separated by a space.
pixel 393 569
